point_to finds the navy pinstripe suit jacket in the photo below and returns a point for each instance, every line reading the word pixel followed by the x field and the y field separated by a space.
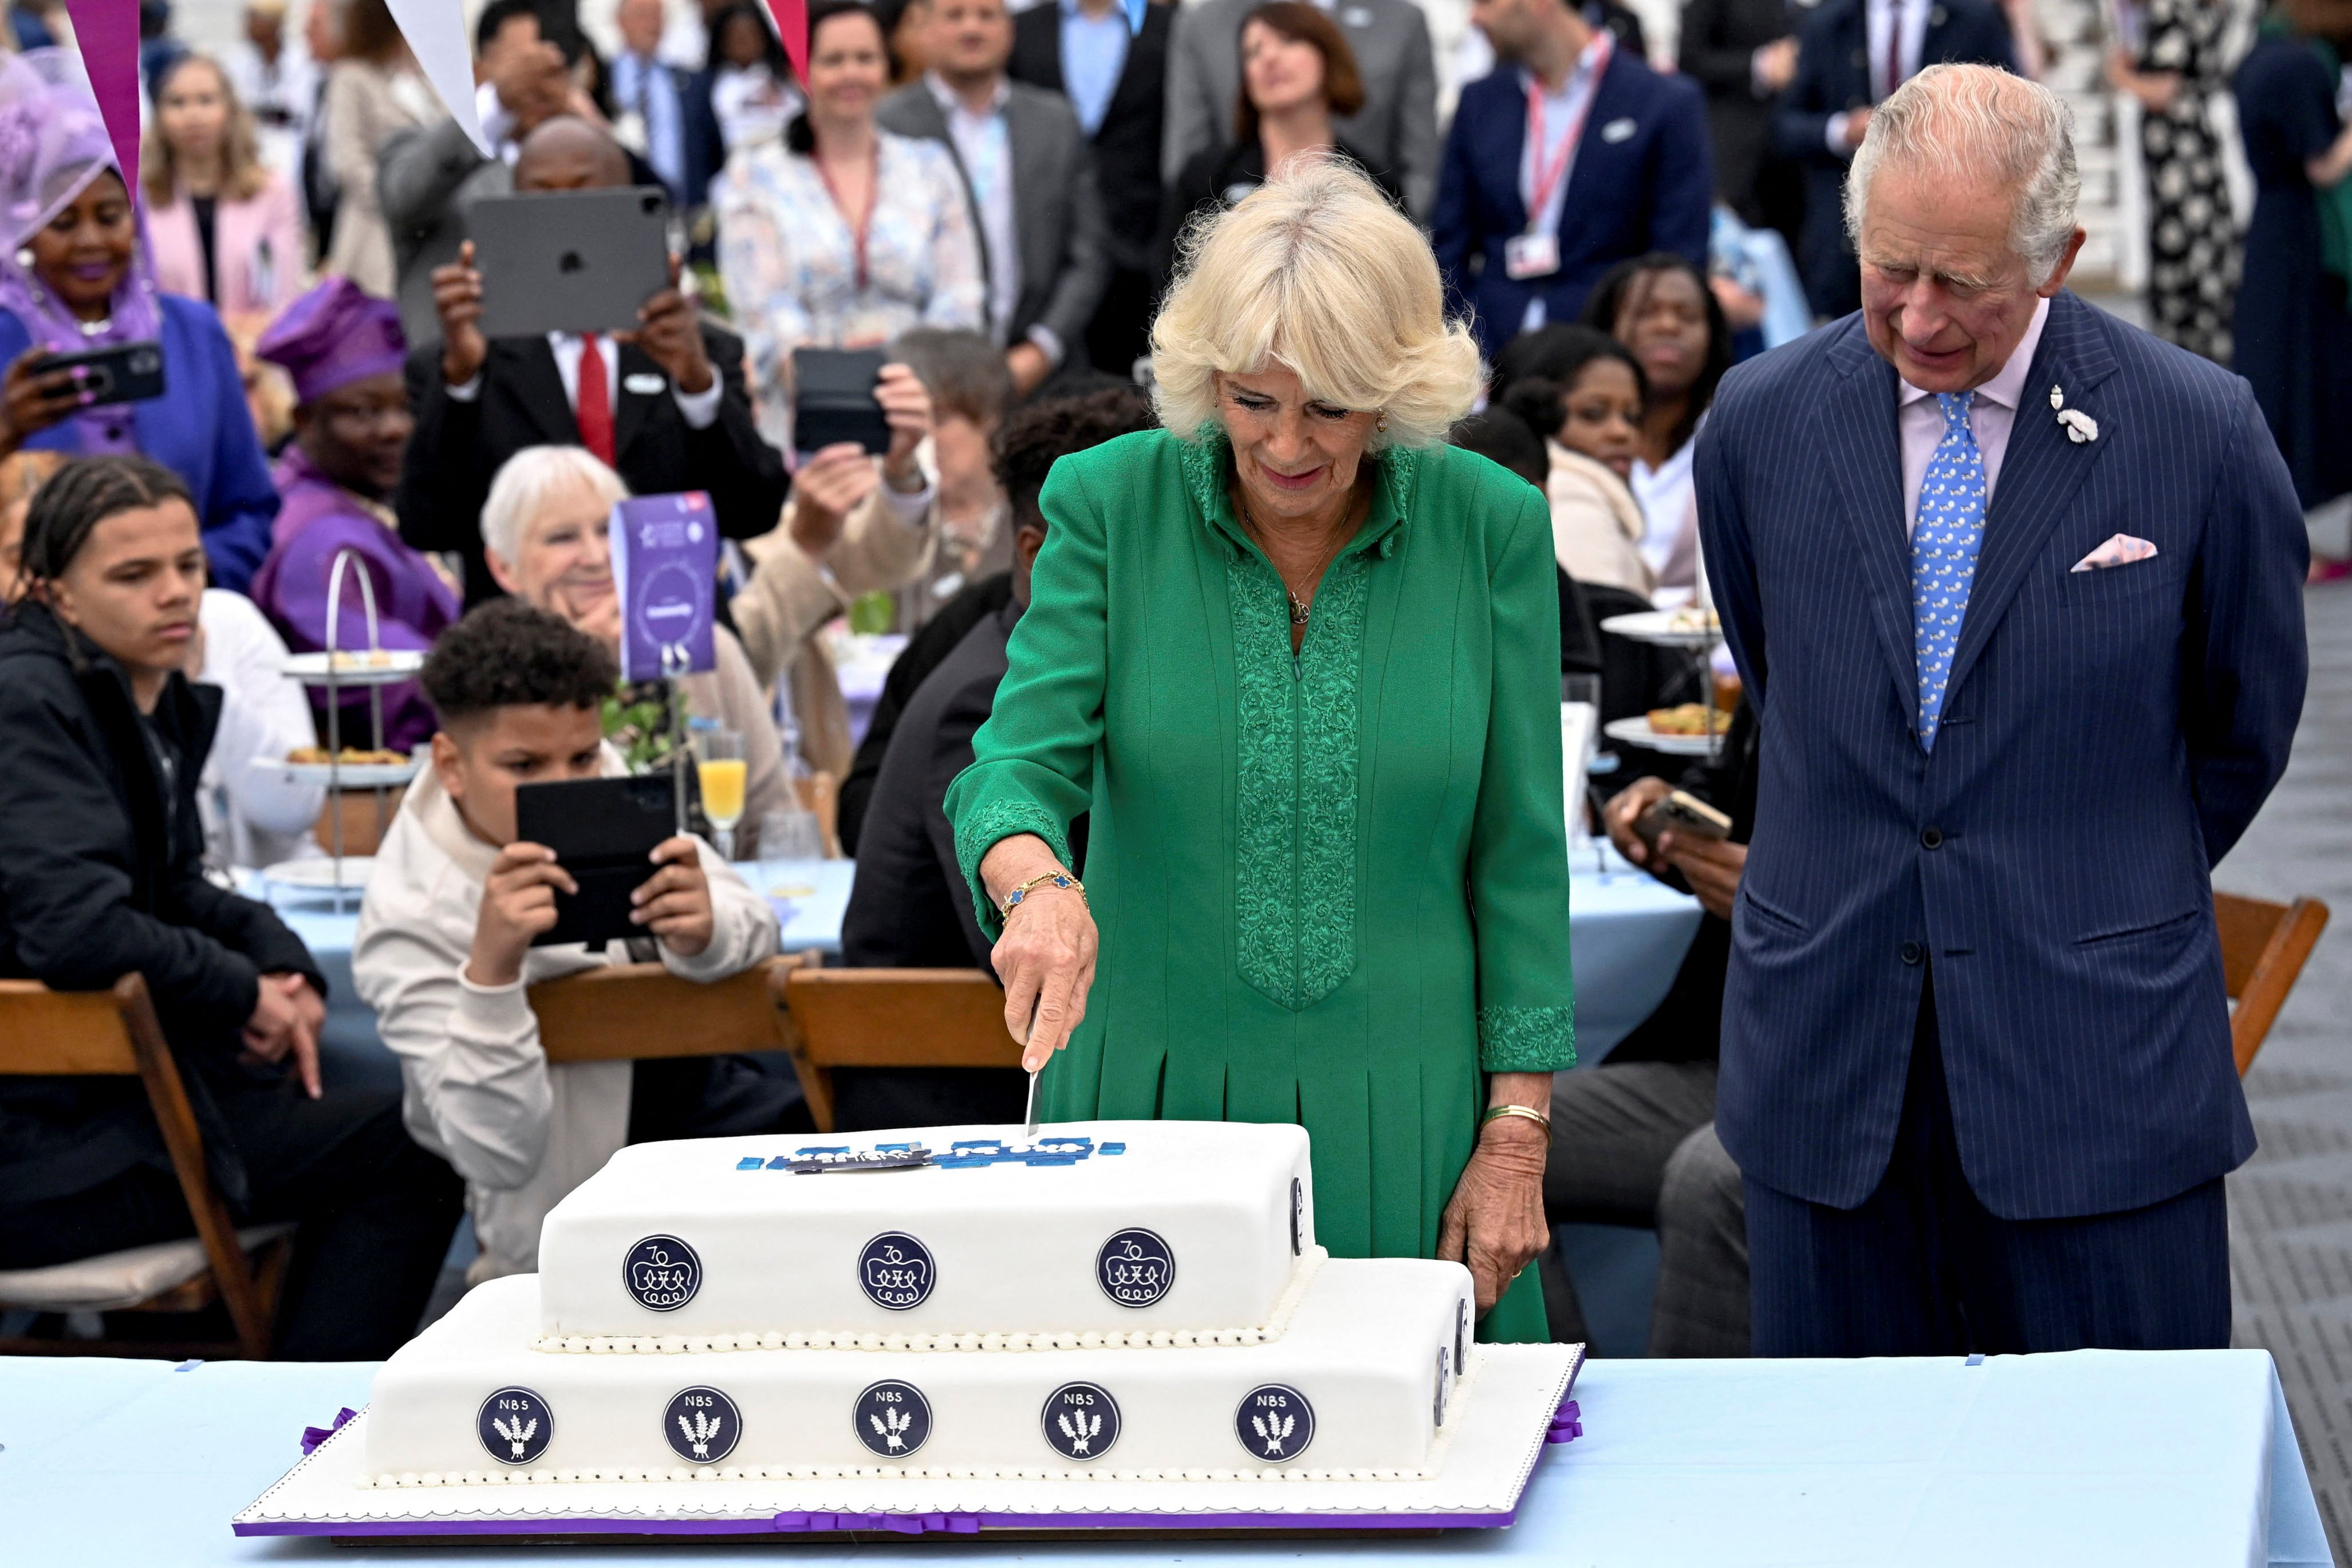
pixel 2106 736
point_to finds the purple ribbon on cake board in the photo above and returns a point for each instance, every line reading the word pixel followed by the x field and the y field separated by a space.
pixel 314 1435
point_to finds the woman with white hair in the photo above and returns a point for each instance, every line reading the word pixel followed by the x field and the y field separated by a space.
pixel 1298 659
pixel 546 533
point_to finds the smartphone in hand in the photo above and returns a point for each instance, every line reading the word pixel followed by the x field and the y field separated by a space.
pixel 833 401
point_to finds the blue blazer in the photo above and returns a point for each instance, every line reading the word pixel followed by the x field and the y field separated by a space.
pixel 200 429
pixel 1643 180
pixel 2106 738
pixel 1833 76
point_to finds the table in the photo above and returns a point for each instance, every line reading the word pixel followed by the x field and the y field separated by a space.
pixel 1628 931
pixel 2091 1459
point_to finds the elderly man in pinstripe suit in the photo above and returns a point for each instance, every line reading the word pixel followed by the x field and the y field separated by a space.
pixel 2016 591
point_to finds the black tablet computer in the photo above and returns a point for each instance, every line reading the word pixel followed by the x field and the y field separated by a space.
pixel 569 261
pixel 605 832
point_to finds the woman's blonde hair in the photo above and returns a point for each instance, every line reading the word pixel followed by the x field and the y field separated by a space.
pixel 1316 271
pixel 242 175
pixel 526 480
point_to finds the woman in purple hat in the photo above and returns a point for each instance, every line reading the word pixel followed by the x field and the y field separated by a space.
pixel 351 424
pixel 75 277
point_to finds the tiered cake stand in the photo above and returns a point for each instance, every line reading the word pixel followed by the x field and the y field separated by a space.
pixel 1657 627
pixel 375 668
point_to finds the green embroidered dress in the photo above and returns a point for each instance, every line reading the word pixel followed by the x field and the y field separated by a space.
pixel 1332 888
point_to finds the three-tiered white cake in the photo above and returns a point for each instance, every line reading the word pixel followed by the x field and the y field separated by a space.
pixel 1136 1301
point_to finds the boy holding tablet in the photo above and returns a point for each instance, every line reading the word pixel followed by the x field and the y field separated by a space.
pixel 444 950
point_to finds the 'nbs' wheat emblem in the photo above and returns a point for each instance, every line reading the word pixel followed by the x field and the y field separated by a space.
pixel 701 1426
pixel 1273 1422
pixel 515 1426
pixel 1081 1421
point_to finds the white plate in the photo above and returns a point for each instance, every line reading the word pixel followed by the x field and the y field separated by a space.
pixel 318 873
pixel 1636 732
pixel 350 775
pixel 310 669
pixel 1658 626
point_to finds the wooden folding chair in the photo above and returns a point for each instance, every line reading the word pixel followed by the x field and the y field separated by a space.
pixel 2263 946
pixel 893 1018
pixel 114 1034
pixel 639 1012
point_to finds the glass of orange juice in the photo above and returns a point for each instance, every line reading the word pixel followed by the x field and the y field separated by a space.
pixel 720 769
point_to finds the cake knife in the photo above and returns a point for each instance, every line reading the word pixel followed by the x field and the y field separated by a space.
pixel 1032 1117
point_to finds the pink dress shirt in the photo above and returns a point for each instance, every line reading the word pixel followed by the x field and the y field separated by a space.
pixel 1919 419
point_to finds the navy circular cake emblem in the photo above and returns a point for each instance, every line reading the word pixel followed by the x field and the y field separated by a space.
pixel 662 1272
pixel 515 1426
pixel 1081 1421
pixel 702 1425
pixel 1275 1423
pixel 892 1419
pixel 1135 1268
pixel 896 1271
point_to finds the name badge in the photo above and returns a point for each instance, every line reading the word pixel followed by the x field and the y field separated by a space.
pixel 1618 131
pixel 1356 17
pixel 642 383
pixel 1529 256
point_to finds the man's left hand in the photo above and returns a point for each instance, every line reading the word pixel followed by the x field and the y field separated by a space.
pixel 1711 866
pixel 671 335
pixel 1029 366
pixel 674 901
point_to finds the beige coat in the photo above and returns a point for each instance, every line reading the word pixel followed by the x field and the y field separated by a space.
pixel 1596 523
pixel 477 1088
pixel 883 544
pixel 365 103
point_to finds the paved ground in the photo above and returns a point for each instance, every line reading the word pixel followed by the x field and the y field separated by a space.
pixel 2291 1207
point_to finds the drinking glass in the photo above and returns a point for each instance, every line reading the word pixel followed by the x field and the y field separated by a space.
pixel 786 838
pixel 720 769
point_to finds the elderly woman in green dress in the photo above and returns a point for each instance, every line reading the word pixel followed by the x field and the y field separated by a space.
pixel 1298 659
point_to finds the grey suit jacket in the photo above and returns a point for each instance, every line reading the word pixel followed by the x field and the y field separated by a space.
pixel 1397 126
pixel 1057 208
pixel 426 178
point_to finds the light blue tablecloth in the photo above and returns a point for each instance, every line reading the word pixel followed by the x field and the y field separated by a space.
pixel 2084 1460
pixel 1628 931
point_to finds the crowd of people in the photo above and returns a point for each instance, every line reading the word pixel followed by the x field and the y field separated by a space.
pixel 1194 329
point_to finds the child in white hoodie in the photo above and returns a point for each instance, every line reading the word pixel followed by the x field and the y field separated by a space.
pixel 443 949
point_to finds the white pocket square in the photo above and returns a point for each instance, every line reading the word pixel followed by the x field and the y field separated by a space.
pixel 2120 551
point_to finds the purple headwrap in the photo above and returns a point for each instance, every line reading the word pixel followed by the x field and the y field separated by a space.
pixel 334 335
pixel 52 142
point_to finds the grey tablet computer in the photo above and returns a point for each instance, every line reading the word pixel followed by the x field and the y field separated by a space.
pixel 569 261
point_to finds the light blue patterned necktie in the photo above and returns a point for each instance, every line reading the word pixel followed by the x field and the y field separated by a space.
pixel 1943 544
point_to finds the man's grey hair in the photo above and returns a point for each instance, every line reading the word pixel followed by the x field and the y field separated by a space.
pixel 1970 124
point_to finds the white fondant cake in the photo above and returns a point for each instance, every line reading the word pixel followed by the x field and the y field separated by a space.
pixel 1357 1389
pixel 1153 1232
pixel 1179 1323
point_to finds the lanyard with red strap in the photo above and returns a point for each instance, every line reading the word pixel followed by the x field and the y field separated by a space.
pixel 1548 176
pixel 864 225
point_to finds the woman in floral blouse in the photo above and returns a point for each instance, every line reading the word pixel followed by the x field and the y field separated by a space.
pixel 842 235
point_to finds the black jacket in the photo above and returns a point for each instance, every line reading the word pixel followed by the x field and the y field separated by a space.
pixel 458 447
pixel 1217 177
pixel 1719 40
pixel 1687 1026
pixel 101 875
pixel 1127 147
pixel 924 651
pixel 909 907
pixel 1833 76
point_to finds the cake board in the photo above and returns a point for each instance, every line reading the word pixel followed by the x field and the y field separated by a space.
pixel 1515 1405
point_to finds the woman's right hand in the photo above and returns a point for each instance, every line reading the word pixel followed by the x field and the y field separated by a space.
pixel 1047 956
pixel 31 400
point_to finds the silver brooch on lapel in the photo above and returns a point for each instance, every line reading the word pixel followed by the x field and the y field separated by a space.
pixel 2080 426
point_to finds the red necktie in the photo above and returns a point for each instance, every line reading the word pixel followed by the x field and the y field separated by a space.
pixel 593 407
pixel 1893 51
